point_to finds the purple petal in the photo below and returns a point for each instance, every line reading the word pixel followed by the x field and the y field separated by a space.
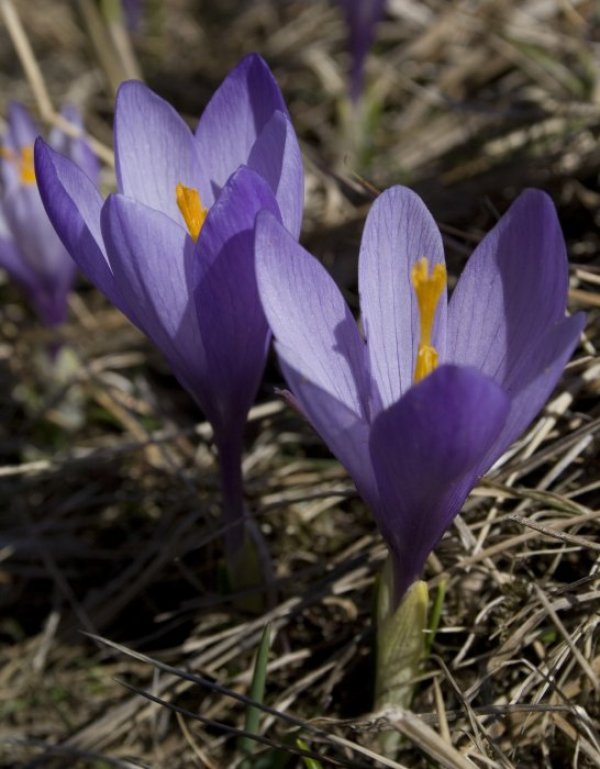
pixel 232 324
pixel 151 259
pixel 155 151
pixel 46 292
pixel 244 195
pixel 345 433
pixel 22 129
pixel 235 116
pixel 533 378
pixel 399 230
pixel 78 150
pixel 512 290
pixel 14 264
pixel 361 17
pixel 426 451
pixel 276 157
pixel 133 13
pixel 50 303
pixel 73 205
pixel 314 328
pixel 21 133
pixel 38 243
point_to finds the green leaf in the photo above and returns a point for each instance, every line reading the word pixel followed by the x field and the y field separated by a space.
pixel 257 690
pixel 309 763
pixel 400 649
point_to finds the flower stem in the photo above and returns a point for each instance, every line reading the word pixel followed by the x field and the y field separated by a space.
pixel 246 555
pixel 232 491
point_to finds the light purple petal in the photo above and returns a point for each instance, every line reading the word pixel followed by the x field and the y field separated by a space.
pixel 533 378
pixel 78 150
pixel 426 451
pixel 235 116
pixel 22 129
pixel 276 157
pixel 21 133
pixel 38 243
pixel 399 231
pixel 344 432
pixel 151 260
pixel 232 324
pixel 512 290
pixel 73 205
pixel 154 151
pixel 314 328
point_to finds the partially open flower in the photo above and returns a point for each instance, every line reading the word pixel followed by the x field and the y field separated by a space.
pixel 174 247
pixel 362 17
pixel 30 250
pixel 434 393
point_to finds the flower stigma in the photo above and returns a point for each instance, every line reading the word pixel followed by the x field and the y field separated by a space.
pixel 24 163
pixel 190 205
pixel 428 288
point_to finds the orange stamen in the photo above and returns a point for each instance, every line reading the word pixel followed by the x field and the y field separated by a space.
pixel 190 205
pixel 428 289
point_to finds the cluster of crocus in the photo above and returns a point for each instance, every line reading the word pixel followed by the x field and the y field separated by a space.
pixel 30 250
pixel 198 247
pixel 173 249
pixel 421 404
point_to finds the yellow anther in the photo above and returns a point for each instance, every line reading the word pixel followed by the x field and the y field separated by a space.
pixel 24 163
pixel 428 288
pixel 190 205
pixel 26 167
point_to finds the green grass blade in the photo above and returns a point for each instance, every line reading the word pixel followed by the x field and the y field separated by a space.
pixel 257 690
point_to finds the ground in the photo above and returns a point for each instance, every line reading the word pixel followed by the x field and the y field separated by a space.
pixel 109 500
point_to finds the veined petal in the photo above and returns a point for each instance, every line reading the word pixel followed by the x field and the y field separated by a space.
pixel 235 116
pixel 533 378
pixel 399 231
pixel 513 288
pixel 243 196
pixel 426 452
pixel 232 324
pixel 154 151
pixel 151 258
pixel 73 205
pixel 276 157
pixel 314 328
pixel 345 433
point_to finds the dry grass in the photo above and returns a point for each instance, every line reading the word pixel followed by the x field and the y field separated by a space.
pixel 108 497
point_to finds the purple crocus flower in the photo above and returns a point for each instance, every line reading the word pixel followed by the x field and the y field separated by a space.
pixel 422 405
pixel 174 247
pixel 133 13
pixel 362 17
pixel 30 250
